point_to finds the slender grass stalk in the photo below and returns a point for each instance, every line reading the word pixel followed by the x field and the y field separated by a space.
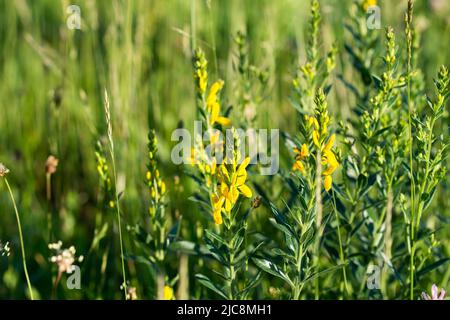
pixel 213 39
pixel 22 246
pixel 48 183
pixel 111 151
pixel 409 31
pixel 193 26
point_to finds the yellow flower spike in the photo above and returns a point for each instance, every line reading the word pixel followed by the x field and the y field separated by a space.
pixel 168 293
pixel 315 137
pixel 327 183
pixel 329 143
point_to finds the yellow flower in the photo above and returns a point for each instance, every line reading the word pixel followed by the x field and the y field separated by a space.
pixel 329 143
pixel 112 204
pixel 217 204
pixel 213 92
pixel 233 185
pixel 369 3
pixel 213 106
pixel 310 120
pixel 217 215
pixel 168 293
pixel 315 137
pixel 303 153
pixel 327 182
pixel 298 165
pixel 330 160
pixel 163 188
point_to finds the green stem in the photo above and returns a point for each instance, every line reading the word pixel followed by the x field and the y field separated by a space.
pixel 231 279
pixel 119 224
pixel 341 249
pixel 21 240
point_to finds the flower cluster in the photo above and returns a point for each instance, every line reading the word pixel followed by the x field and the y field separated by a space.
pixel 3 170
pixel 317 129
pixel 51 164
pixel 200 71
pixel 104 174
pixel 232 180
pixel 64 258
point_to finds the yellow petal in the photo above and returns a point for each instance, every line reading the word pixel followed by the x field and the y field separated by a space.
pixel 304 152
pixel 298 165
pixel 246 191
pixel 213 166
pixel 217 215
pixel 216 87
pixel 315 136
pixel 234 194
pixel 316 123
pixel 168 293
pixel 329 143
pixel 224 189
pixel 244 163
pixel 240 180
pixel 223 121
pixel 225 172
pixel 215 109
pixel 228 205
pixel 327 182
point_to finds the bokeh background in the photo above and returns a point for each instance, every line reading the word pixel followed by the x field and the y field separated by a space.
pixel 51 102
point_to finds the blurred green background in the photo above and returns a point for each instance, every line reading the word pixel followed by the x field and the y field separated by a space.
pixel 51 102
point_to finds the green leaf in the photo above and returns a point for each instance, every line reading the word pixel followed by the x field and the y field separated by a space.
pixel 271 268
pixel 204 280
pixel 321 273
pixel 188 248
pixel 432 266
pixel 214 236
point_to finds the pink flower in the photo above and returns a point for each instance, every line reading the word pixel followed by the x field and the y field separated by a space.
pixel 435 294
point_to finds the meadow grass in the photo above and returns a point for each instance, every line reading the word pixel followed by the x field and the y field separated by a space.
pixel 358 210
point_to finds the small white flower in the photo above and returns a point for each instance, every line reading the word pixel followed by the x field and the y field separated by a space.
pixel 64 258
